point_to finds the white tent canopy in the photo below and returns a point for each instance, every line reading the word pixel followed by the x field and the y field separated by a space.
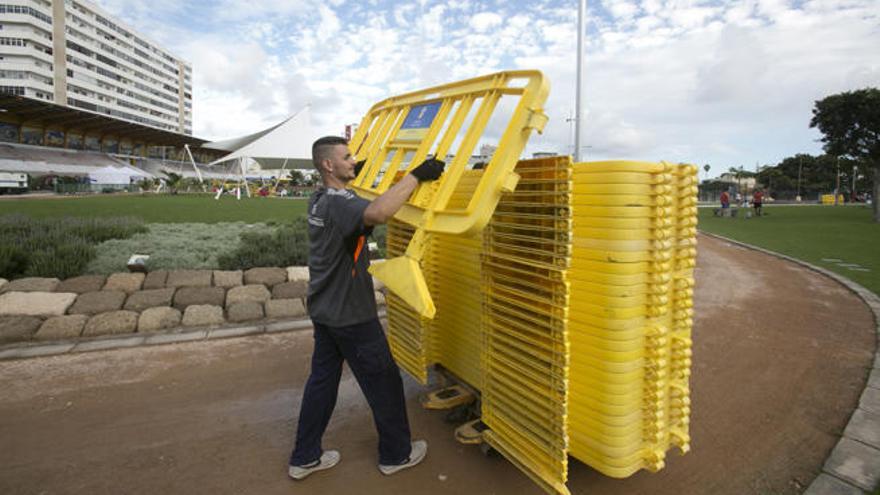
pixel 116 175
pixel 289 141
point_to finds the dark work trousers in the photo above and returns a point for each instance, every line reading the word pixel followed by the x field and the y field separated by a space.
pixel 365 348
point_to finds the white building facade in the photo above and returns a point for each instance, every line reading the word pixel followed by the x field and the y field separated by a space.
pixel 72 53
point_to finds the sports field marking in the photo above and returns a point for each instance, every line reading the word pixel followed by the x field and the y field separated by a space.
pixel 855 267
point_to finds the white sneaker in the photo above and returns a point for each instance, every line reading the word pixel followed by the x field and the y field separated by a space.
pixel 328 459
pixel 418 452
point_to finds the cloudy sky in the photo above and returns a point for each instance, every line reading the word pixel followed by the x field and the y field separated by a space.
pixel 724 83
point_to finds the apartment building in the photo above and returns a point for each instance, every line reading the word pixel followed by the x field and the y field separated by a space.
pixel 72 53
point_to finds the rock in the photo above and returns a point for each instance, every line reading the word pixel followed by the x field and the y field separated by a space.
pixel 297 273
pixel 230 278
pixel 83 284
pixel 114 322
pixel 62 327
pixel 189 278
pixel 285 308
pixel 248 293
pixel 380 298
pixel 190 296
pixel 32 284
pixel 18 328
pixel 145 299
pixel 160 318
pixel 126 282
pixel 290 290
pixel 102 301
pixel 36 303
pixel 203 315
pixel 155 280
pixel 265 276
pixel 245 311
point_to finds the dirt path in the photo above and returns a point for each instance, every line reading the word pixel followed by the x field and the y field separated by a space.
pixel 780 358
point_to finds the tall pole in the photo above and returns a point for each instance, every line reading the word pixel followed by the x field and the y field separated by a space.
pixel 837 186
pixel 800 165
pixel 853 190
pixel 579 114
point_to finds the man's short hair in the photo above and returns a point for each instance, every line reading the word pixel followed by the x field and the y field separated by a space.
pixel 321 149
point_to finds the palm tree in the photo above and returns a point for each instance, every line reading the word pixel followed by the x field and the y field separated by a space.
pixel 174 182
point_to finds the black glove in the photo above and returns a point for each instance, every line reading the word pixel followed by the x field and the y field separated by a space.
pixel 430 169
pixel 358 167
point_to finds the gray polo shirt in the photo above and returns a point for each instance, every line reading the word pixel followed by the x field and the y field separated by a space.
pixel 340 289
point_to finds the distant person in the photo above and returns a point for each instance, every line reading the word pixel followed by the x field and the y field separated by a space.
pixel 725 204
pixel 342 307
pixel 758 201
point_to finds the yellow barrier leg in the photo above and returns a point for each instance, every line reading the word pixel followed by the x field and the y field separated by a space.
pixel 403 275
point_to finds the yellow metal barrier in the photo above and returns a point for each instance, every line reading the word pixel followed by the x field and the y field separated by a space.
pixel 631 290
pixel 571 314
pixel 828 199
pixel 400 132
pixel 526 348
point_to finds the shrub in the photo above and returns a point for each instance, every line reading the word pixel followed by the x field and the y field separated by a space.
pixel 13 260
pixel 62 261
pixel 288 245
pixel 172 246
pixel 56 247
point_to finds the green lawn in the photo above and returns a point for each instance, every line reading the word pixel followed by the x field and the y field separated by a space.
pixel 162 208
pixel 815 234
pixel 810 233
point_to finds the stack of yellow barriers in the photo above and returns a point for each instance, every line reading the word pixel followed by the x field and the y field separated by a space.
pixel 525 343
pixel 571 314
pixel 453 338
pixel 633 248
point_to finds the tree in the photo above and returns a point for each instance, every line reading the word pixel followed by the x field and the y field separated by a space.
pixel 850 127
pixel 296 178
pixel 174 182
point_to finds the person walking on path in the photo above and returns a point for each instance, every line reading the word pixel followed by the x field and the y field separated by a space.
pixel 342 306
pixel 758 201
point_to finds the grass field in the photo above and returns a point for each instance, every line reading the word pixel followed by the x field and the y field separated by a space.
pixel 164 208
pixel 816 234
pixel 812 233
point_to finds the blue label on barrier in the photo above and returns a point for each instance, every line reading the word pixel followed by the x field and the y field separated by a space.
pixel 421 116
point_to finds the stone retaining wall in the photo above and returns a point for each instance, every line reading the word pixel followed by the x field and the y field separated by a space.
pixel 48 309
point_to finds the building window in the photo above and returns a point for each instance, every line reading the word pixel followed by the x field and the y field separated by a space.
pixel 12 90
pixel 18 9
pixel 13 42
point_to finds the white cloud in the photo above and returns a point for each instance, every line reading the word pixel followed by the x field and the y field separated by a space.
pixel 623 11
pixel 484 21
pixel 724 83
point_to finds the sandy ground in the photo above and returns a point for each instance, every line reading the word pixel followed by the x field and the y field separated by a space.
pixel 781 355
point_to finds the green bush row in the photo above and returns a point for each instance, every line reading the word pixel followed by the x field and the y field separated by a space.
pixel 56 247
pixel 288 245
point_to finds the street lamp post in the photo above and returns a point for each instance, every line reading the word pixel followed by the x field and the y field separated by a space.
pixel 853 190
pixel 837 185
pixel 579 117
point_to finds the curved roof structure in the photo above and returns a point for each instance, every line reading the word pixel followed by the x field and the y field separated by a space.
pixel 288 141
